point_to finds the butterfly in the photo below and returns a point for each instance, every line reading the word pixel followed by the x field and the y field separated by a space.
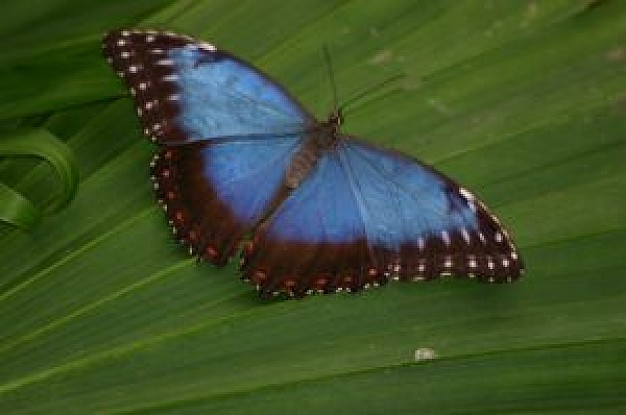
pixel 243 166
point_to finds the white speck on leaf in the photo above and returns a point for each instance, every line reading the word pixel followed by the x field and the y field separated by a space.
pixel 382 57
pixel 424 353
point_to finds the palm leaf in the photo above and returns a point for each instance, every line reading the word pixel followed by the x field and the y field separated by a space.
pixel 523 102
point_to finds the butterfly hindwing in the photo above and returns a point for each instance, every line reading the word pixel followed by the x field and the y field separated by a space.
pixel 365 215
pixel 187 90
pixel 215 191
pixel 314 241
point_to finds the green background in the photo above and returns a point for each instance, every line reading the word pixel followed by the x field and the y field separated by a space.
pixel 524 102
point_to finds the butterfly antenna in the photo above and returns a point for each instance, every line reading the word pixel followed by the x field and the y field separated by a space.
pixel 368 91
pixel 331 75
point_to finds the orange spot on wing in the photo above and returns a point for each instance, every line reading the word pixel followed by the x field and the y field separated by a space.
pixel 210 251
pixel 321 281
pixel 259 276
pixel 289 283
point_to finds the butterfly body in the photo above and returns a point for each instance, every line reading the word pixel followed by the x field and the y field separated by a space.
pixel 321 138
pixel 243 165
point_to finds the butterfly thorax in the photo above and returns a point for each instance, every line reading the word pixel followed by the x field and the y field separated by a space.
pixel 335 119
pixel 322 137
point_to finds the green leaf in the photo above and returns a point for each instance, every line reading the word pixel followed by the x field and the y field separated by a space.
pixel 19 211
pixel 522 102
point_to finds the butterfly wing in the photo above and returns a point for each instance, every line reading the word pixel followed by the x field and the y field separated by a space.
pixel 217 190
pixel 187 90
pixel 366 214
pixel 421 224
pixel 228 131
pixel 314 241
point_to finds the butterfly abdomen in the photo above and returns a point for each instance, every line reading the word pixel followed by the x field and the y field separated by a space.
pixel 302 163
pixel 322 138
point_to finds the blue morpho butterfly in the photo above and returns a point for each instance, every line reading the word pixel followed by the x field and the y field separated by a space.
pixel 242 163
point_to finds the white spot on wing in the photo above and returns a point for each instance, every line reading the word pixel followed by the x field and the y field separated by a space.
pixel 164 62
pixel 207 46
pixel 445 236
pixel 466 194
pixel 466 236
pixel 498 237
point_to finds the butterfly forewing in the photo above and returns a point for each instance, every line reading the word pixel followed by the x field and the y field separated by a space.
pixel 420 224
pixel 187 90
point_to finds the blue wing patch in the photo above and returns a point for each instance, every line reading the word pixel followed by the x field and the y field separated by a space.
pixel 328 205
pixel 187 90
pixel 402 201
pixel 246 173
